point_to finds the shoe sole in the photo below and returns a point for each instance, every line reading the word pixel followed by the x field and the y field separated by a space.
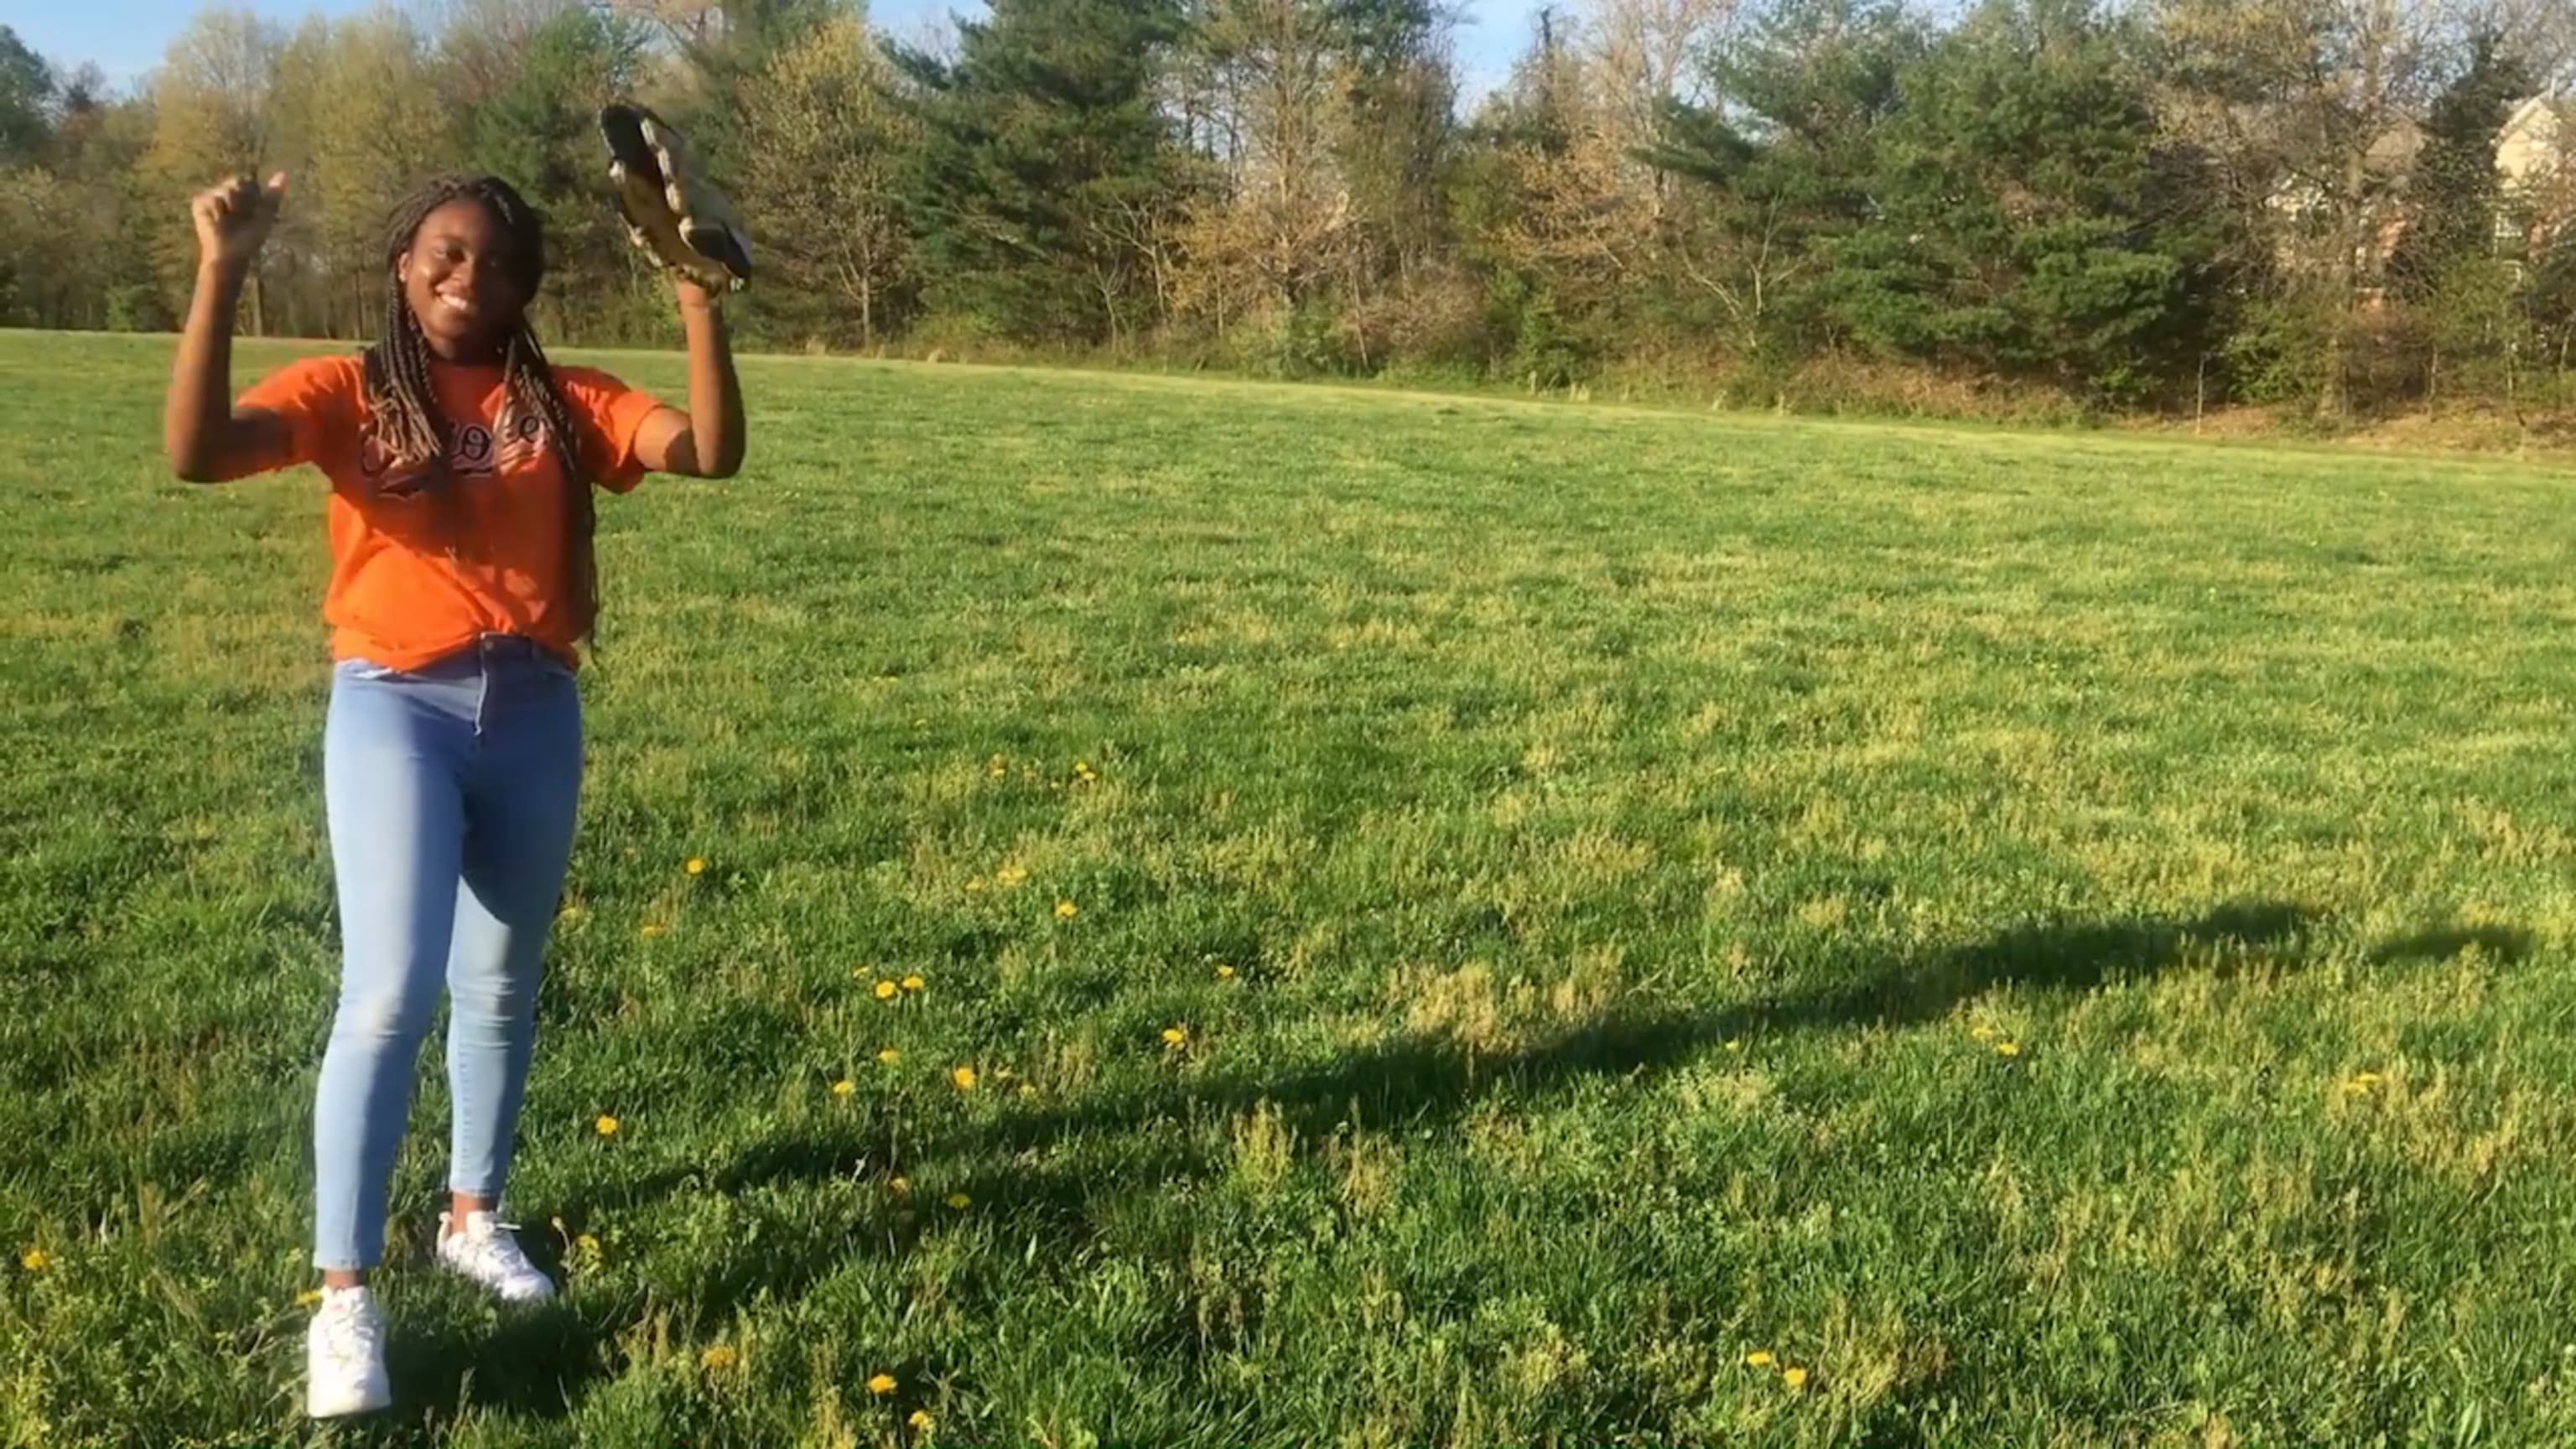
pixel 621 125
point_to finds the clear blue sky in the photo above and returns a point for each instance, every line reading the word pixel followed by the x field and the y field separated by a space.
pixel 125 37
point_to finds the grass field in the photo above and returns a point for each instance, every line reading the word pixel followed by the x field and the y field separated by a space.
pixel 1472 922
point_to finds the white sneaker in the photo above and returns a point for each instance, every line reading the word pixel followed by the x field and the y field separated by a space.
pixel 484 1251
pixel 344 1356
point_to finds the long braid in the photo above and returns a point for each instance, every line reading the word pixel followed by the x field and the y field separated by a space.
pixel 400 395
pixel 396 371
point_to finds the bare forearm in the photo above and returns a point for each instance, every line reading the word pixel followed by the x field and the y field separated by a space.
pixel 196 421
pixel 715 392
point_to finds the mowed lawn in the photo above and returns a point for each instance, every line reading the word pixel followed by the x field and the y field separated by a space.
pixel 1470 922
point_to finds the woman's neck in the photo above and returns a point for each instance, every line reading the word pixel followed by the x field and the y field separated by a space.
pixel 484 354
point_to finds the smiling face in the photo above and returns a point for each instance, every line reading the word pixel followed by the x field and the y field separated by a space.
pixel 462 281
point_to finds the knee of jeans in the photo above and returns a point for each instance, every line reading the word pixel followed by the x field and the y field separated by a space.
pixel 499 995
pixel 385 1013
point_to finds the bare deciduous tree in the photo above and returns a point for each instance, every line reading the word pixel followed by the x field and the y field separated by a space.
pixel 822 178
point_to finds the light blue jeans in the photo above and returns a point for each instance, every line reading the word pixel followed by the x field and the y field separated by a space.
pixel 451 792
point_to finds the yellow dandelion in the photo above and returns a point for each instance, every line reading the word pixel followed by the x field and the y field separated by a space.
pixel 719 1357
pixel 1795 1378
pixel 920 1421
pixel 1982 1032
pixel 957 1200
pixel 963 1078
pixel 1028 1089
pixel 586 1245
pixel 1734 1045
pixel 889 1057
pixel 1224 972
pixel 1759 1358
pixel 34 1260
pixel 886 990
pixel 975 886
pixel 844 1087
pixel 308 1297
pixel 881 1385
pixel 2007 1048
pixel 899 1185
pixel 1176 1036
pixel 1066 910
pixel 913 983
pixel 606 1126
pixel 696 866
pixel 1011 875
pixel 652 931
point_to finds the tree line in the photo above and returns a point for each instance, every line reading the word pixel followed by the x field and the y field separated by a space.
pixel 2336 207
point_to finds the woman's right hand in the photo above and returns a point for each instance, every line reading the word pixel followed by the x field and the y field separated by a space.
pixel 233 220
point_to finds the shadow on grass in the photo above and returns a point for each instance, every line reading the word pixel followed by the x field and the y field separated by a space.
pixel 1410 1082
pixel 537 1362
pixel 1422 1081
pixel 1428 1080
pixel 2507 944
pixel 534 1362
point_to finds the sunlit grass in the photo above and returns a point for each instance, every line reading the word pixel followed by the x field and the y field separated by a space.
pixel 1128 910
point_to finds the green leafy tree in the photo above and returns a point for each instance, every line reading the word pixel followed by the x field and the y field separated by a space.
pixel 1045 160
pixel 2026 219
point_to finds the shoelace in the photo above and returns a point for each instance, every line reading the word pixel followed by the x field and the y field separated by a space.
pixel 349 1333
pixel 498 1246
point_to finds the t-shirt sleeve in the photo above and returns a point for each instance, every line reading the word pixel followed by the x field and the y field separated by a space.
pixel 610 415
pixel 318 400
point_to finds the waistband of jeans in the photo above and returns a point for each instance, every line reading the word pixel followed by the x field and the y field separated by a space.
pixel 510 646
pixel 484 651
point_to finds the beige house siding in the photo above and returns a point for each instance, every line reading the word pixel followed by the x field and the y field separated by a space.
pixel 2535 162
pixel 2532 149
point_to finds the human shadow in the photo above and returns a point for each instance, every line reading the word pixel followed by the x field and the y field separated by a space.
pixel 1428 1079
pixel 1009 1167
pixel 2507 944
pixel 537 1362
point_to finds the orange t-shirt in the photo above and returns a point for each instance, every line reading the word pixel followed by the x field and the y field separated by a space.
pixel 416 576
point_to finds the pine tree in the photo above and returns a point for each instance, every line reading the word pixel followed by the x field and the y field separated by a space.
pixel 1043 144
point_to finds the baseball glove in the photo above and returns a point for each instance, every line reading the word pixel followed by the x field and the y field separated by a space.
pixel 679 220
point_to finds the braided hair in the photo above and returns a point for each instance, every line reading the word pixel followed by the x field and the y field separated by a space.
pixel 404 405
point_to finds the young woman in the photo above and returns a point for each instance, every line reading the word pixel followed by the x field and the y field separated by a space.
pixel 462 583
